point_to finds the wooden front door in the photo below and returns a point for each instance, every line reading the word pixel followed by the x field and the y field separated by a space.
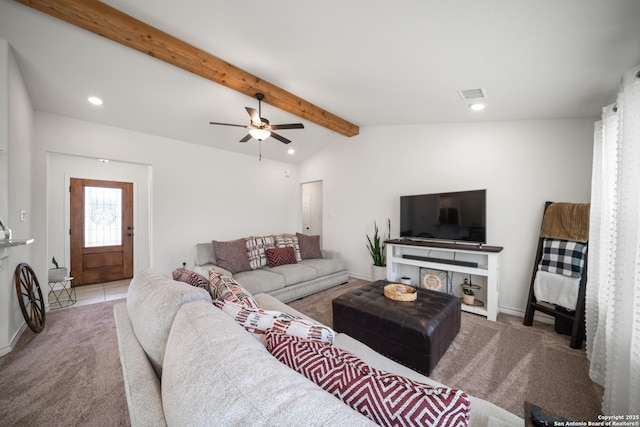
pixel 101 231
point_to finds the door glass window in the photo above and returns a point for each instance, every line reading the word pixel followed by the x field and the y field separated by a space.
pixel 102 216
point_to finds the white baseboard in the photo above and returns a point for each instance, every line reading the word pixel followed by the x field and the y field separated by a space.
pixel 539 316
pixel 14 340
pixel 360 276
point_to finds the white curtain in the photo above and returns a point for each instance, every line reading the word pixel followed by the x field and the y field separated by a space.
pixel 613 289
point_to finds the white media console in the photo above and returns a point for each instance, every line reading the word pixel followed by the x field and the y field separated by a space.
pixel 406 257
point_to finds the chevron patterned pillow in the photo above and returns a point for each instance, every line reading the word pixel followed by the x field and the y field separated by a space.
pixel 387 399
pixel 280 256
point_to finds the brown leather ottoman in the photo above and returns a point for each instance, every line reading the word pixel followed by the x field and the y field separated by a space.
pixel 415 333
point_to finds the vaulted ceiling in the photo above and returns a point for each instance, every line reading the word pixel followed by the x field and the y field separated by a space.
pixel 369 62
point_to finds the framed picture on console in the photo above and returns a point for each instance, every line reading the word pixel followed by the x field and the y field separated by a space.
pixel 435 280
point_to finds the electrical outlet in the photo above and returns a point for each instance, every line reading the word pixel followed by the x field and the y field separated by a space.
pixel 23 215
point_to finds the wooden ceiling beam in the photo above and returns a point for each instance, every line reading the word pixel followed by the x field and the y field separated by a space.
pixel 108 22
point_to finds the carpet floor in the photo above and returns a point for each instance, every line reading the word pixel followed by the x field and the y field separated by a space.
pixel 67 375
pixel 503 362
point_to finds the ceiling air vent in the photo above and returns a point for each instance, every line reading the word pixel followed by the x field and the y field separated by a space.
pixel 472 94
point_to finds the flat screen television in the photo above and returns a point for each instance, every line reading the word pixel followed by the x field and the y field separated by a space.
pixel 459 216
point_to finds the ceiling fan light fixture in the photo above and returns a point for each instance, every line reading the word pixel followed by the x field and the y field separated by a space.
pixel 260 134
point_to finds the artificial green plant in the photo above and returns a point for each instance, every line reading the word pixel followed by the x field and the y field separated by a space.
pixel 376 245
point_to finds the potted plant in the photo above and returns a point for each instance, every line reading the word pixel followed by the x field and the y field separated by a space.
pixel 468 296
pixel 58 273
pixel 376 247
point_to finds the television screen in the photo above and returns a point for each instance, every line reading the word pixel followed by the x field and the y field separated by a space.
pixel 456 216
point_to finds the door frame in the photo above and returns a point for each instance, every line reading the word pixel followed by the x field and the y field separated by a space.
pixel 321 213
pixel 77 263
pixel 67 215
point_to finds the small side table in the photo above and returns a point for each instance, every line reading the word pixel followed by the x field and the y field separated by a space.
pixel 63 292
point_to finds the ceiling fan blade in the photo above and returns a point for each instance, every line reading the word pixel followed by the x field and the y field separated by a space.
pixel 255 117
pixel 288 126
pixel 280 138
pixel 228 124
pixel 246 138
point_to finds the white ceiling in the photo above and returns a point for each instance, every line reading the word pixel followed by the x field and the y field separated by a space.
pixel 371 62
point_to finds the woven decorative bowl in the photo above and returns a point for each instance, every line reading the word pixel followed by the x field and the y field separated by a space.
pixel 398 292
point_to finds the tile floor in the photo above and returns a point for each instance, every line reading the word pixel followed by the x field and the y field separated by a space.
pixel 93 294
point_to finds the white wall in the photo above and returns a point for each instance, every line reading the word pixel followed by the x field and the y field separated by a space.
pixel 16 141
pixel 521 164
pixel 196 193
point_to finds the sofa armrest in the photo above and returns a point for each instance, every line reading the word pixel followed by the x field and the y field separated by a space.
pixel 329 254
pixel 141 383
pixel 203 270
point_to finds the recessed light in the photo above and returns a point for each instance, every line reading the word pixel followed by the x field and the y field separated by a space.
pixel 103 160
pixel 477 106
pixel 291 151
pixel 95 100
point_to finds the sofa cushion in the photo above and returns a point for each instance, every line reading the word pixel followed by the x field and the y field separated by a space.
pixel 309 246
pixel 153 300
pixel 256 250
pixel 294 273
pixel 216 374
pixel 260 280
pixel 288 240
pixel 226 288
pixel 191 277
pixel 280 256
pixel 324 267
pixel 258 321
pixel 205 254
pixel 232 255
pixel 385 398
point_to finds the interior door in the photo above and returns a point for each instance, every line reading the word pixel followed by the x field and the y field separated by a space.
pixel 312 208
pixel 101 231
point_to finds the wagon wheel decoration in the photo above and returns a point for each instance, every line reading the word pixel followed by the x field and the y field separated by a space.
pixel 30 297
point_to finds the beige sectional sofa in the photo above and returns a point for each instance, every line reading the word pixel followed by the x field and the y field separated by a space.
pixel 285 282
pixel 186 363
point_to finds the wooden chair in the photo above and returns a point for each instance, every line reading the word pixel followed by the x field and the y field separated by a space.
pixel 576 318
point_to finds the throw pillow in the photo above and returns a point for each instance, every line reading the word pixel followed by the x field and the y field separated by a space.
pixel 225 288
pixel 258 322
pixel 191 277
pixel 309 246
pixel 288 241
pixel 256 250
pixel 385 398
pixel 280 256
pixel 232 255
pixel 563 257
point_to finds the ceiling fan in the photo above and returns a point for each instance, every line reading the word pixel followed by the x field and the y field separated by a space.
pixel 259 128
